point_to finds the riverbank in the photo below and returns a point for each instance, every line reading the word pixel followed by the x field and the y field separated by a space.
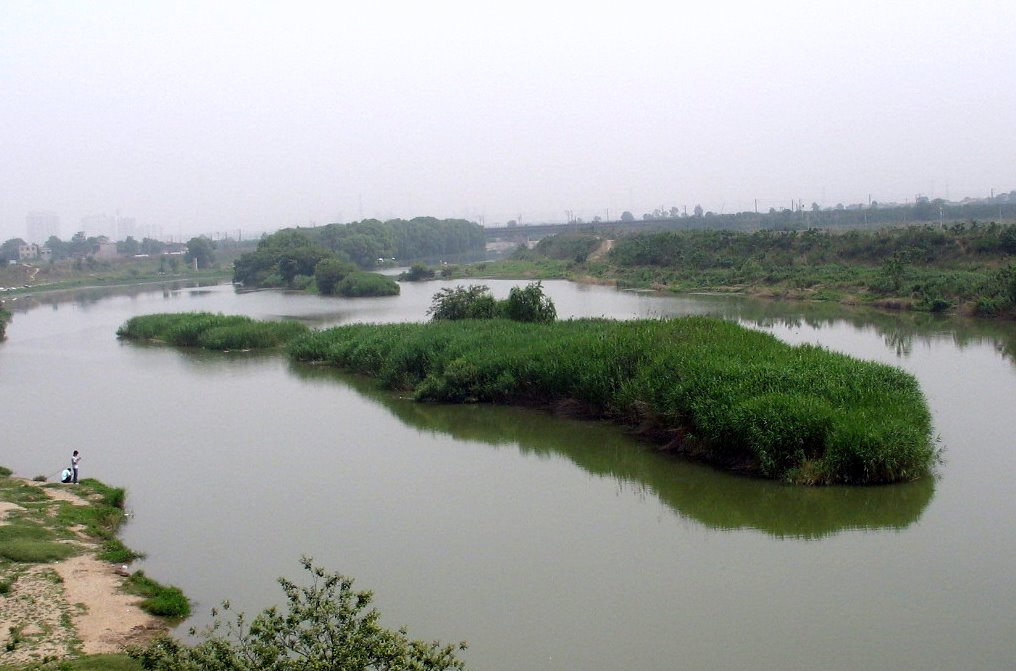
pixel 59 598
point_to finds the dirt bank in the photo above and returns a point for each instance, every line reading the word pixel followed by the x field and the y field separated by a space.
pixel 75 606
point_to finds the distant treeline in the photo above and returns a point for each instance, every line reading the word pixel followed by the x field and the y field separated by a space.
pixel 798 217
pixel 922 244
pixel 929 266
pixel 290 257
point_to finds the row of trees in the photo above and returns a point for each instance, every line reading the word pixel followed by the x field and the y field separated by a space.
pixel 366 241
pixel 925 244
pixel 291 256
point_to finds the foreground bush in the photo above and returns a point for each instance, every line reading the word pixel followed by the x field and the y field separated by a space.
pixel 326 625
pixel 209 331
pixel 703 386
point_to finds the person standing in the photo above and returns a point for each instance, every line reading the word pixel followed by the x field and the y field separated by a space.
pixel 75 460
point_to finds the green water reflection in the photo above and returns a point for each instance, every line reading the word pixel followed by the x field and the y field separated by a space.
pixel 713 498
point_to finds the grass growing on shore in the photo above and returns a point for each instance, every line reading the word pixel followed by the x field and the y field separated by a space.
pixel 711 388
pixel 160 600
pixel 86 663
pixel 210 331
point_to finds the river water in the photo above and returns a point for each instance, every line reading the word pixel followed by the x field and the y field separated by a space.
pixel 546 543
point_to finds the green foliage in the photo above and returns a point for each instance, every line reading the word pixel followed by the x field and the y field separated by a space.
pixel 159 600
pixel 361 284
pixel 114 551
pixel 329 272
pixel 202 250
pixel 85 663
pixel 325 625
pixel 209 331
pixel 529 304
pixel 417 273
pixel 7 584
pixel 27 542
pixel 568 246
pixel 472 302
pixel 284 255
pixel 729 394
pixel 5 472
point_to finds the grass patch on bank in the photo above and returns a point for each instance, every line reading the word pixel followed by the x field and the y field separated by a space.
pixel 26 542
pixel 86 663
pixel 210 331
pixel 724 393
pixel 159 600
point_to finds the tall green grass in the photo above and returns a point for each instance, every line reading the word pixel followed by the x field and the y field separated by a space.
pixel 210 331
pixel 725 393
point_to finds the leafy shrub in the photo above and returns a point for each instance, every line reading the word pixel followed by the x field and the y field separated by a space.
pixel 361 284
pixel 326 625
pixel 472 302
pixel 418 272
pixel 529 305
pixel 329 272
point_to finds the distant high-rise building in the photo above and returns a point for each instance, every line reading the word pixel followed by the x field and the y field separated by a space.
pixel 39 226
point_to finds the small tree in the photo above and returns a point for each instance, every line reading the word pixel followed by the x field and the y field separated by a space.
pixel 473 302
pixel 530 304
pixel 202 250
pixel 329 272
pixel 326 625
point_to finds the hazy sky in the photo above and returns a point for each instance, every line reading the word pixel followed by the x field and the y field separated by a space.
pixel 203 117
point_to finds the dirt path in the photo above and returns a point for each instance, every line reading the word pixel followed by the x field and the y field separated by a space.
pixel 69 607
pixel 601 251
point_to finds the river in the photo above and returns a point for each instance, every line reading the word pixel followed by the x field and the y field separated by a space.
pixel 545 542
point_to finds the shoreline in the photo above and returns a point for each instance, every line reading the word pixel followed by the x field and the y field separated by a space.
pixel 68 608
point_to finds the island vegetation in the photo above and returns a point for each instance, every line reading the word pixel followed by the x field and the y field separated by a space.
pixel 700 386
pixel 5 316
pixel 211 331
pixel 332 259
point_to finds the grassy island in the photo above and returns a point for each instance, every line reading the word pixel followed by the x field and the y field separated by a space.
pixel 210 331
pixel 701 386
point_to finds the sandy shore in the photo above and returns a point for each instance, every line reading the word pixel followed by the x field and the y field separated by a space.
pixel 69 607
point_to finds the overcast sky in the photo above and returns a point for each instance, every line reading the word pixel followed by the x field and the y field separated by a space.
pixel 205 117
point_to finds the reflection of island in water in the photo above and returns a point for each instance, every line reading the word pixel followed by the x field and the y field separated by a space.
pixel 711 497
pixel 899 330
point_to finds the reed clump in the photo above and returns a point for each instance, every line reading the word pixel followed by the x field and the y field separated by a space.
pixel 211 331
pixel 702 386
